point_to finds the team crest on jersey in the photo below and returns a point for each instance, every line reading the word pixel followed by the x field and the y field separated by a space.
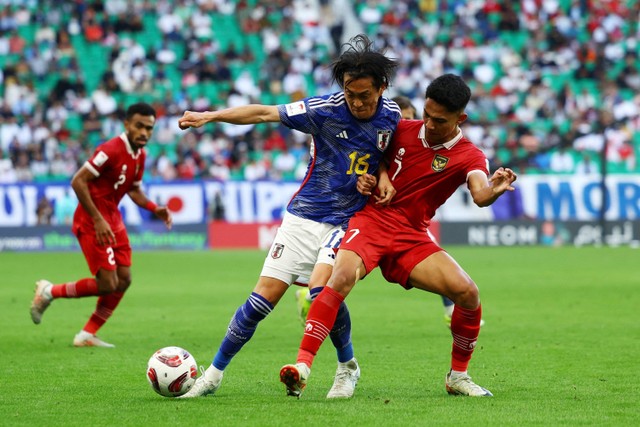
pixel 278 248
pixel 384 137
pixel 439 162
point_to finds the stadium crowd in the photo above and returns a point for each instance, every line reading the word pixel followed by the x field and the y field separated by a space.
pixel 556 82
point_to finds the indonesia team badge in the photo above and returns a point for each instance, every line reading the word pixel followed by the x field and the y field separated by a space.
pixel 439 162
pixel 278 248
pixel 384 136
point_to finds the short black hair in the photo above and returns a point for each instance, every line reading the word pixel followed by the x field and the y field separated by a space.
pixel 361 60
pixel 141 108
pixel 403 102
pixel 449 90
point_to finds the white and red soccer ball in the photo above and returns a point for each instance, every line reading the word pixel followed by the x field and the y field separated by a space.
pixel 172 371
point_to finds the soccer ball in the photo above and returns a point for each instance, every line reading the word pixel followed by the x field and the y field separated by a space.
pixel 172 371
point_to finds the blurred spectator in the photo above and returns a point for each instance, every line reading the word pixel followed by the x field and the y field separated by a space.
pixel 44 211
pixel 561 161
pixel 544 74
pixel 23 168
pixel 255 170
pixel 39 167
pixel 7 171
pixel 216 207
pixel 219 169
pixel 586 165
pixel 284 165
pixel 64 209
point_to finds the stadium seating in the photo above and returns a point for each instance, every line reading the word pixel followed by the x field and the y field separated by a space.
pixel 173 90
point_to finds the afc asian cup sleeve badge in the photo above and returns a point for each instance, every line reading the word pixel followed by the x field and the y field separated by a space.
pixel 295 108
pixel 100 158
pixel 384 137
pixel 277 250
pixel 439 163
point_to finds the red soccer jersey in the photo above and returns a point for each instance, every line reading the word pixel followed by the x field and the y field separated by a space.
pixel 118 169
pixel 425 177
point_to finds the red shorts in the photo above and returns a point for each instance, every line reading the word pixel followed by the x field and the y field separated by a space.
pixel 105 257
pixel 395 247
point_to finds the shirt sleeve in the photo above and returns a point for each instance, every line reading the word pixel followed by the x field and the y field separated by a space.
pixel 299 116
pixel 101 160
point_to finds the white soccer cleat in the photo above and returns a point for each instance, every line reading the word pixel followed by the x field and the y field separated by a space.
pixel 463 386
pixel 40 301
pixel 347 376
pixel 203 386
pixel 85 339
pixel 294 377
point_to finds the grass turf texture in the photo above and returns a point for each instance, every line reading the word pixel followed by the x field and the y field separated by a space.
pixel 559 346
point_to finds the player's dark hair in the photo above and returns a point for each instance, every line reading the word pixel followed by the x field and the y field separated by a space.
pixel 141 108
pixel 449 90
pixel 360 60
pixel 403 102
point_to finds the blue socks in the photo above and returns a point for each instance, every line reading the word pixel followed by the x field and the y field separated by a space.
pixel 241 328
pixel 341 333
pixel 245 321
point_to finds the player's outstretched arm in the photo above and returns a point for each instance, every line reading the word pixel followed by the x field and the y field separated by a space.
pixel 486 191
pixel 243 115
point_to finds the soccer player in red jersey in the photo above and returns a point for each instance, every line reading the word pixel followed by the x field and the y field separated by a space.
pixel 428 161
pixel 115 169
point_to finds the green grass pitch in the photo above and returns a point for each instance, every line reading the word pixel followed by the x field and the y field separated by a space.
pixel 560 345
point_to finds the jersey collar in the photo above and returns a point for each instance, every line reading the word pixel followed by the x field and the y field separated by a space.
pixel 446 145
pixel 127 145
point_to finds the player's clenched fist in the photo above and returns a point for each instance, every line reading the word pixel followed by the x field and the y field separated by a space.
pixel 191 119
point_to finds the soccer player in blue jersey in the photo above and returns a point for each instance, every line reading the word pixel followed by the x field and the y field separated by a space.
pixel 350 131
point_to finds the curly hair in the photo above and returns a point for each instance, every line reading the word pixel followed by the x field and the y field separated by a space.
pixel 360 60
pixel 449 90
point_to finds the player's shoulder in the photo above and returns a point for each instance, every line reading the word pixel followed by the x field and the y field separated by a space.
pixel 318 107
pixel 406 127
pixel 326 102
pixel 112 144
pixel 389 106
pixel 468 145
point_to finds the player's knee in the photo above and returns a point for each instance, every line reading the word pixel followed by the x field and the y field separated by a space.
pixel 342 281
pixel 107 285
pixel 468 295
pixel 124 283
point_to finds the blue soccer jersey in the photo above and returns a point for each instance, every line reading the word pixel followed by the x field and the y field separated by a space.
pixel 342 148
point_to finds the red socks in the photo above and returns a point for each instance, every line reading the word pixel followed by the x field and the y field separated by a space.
pixel 465 328
pixel 79 289
pixel 104 309
pixel 320 320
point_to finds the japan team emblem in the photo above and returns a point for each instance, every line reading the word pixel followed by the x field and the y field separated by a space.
pixel 278 248
pixel 439 162
pixel 384 137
